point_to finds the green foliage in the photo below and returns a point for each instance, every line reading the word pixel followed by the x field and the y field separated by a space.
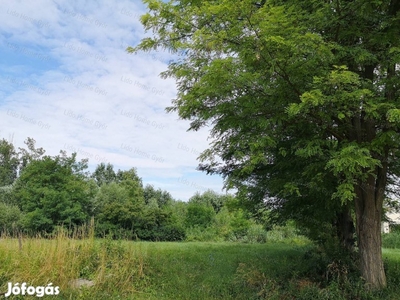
pixel 210 198
pixel 121 211
pixel 177 211
pixel 9 163
pixel 52 192
pixel 303 110
pixel 200 270
pixel 116 211
pixel 256 234
pixel 229 224
pixel 7 194
pixel 10 218
pixel 31 154
pixel 199 215
pixel 114 267
pixel 56 194
pixel 391 240
pixel 160 197
pixel 240 224
pixel 157 225
pixel 394 228
pixel 132 183
pixel 199 234
pixel 104 174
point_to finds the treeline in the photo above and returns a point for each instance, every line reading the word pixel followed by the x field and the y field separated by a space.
pixel 40 194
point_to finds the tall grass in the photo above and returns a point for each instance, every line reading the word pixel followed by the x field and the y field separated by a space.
pixel 281 268
pixel 114 268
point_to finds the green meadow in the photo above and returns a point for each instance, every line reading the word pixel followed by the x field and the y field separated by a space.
pixel 285 269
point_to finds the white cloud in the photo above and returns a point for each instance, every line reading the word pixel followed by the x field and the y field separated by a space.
pixel 71 86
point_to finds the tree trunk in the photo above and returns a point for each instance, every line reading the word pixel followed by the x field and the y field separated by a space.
pixel 368 205
pixel 345 229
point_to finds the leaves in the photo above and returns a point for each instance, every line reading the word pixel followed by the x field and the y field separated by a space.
pixel 50 192
pixel 302 97
pixel 393 116
pixel 352 161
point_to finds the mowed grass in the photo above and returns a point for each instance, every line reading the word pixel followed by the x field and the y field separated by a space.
pixel 187 270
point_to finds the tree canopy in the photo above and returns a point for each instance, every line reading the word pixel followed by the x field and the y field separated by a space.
pixel 51 193
pixel 303 102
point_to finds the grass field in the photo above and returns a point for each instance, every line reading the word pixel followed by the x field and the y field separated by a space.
pixel 187 270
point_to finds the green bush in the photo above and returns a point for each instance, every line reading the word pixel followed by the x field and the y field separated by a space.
pixel 200 234
pixel 391 240
pixel 10 219
pixel 6 195
pixel 200 215
pixel 173 232
pixel 256 234
pixel 283 233
pixel 240 224
pixel 113 231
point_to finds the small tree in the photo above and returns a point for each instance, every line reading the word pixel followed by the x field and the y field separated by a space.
pixel 51 193
pixel 9 163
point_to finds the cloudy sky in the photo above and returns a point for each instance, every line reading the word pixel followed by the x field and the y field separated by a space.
pixel 67 81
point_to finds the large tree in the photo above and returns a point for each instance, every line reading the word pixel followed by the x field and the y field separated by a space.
pixel 300 95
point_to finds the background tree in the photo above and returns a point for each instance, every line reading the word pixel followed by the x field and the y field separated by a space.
pixel 116 213
pixel 121 211
pixel 199 214
pixel 286 81
pixel 104 174
pixel 132 183
pixel 162 198
pixel 28 155
pixel 51 193
pixel 10 219
pixel 9 163
pixel 209 197
pixel 119 203
pixel 158 224
pixel 177 211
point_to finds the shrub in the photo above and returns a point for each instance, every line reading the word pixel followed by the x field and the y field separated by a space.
pixel 199 234
pixel 391 240
pixel 240 224
pixel 200 215
pixel 256 234
pixel 10 218
pixel 173 233
pixel 287 233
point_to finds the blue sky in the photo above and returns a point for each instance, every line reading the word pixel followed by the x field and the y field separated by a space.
pixel 67 82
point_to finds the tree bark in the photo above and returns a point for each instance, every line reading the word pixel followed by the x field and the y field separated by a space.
pixel 368 206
